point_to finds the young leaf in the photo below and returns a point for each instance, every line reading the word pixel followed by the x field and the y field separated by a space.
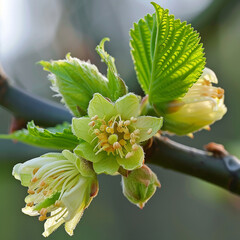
pixel 167 55
pixel 116 85
pixel 76 81
pixel 60 137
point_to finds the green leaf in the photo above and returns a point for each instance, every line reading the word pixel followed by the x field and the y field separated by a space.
pixel 76 81
pixel 116 85
pixel 167 55
pixel 60 137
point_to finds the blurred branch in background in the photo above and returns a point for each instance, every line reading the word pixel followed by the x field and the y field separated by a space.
pixel 210 15
pixel 223 171
pixel 27 107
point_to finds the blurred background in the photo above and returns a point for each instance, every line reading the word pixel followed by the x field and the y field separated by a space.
pixel 184 208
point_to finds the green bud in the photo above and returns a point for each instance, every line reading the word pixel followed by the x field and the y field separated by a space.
pixel 140 185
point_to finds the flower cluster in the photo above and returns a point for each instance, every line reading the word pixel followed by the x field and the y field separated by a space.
pixel 113 133
pixel 62 185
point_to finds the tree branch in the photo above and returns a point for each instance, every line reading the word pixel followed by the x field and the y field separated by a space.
pixel 222 171
pixel 28 107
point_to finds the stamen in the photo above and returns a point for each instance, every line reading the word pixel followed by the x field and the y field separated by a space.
pixel 132 141
pixel 42 218
pixel 126 123
pixel 35 170
pixel 133 119
pixel 30 191
pixel 30 204
pixel 34 180
pixel 109 130
pixel 43 211
pixel 126 136
pixel 96 131
pixel 149 131
pixel 103 127
pixel 39 190
pixel 122 142
pixel 116 145
pixel 58 203
pixel 42 184
pixel 135 147
pixel 136 132
pixel 94 118
pixel 91 124
pixel 120 124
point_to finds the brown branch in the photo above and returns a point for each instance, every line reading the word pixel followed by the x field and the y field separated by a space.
pixel 222 171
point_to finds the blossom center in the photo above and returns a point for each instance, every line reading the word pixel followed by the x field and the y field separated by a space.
pixel 115 136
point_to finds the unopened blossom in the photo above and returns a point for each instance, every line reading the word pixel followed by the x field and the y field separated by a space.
pixel 60 188
pixel 113 132
pixel 202 105
pixel 140 185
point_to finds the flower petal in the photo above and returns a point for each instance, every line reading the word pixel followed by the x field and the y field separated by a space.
pixel 101 107
pixel 71 225
pixel 51 224
pixel 81 129
pixel 148 126
pixel 131 163
pixel 76 197
pixel 128 106
pixel 107 165
pixel 86 151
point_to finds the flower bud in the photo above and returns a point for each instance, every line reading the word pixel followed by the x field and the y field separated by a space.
pixel 202 105
pixel 140 185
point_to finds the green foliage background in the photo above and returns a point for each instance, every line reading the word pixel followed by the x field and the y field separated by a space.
pixel 185 208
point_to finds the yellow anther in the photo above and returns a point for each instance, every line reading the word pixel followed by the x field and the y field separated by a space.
pixel 45 192
pixel 39 190
pixel 126 130
pixel 149 131
pixel 132 136
pixel 43 211
pixel 122 142
pixel 58 203
pixel 120 124
pixel 91 124
pixel 35 170
pixel 42 218
pixel 132 141
pixel 30 191
pixel 94 118
pixel 96 131
pixel 42 184
pixel 109 130
pixel 34 180
pixel 126 136
pixel 120 129
pixel 116 145
pixel 133 119
pixel 103 127
pixel 136 132
pixel 30 204
pixel 129 154
pixel 126 123
pixel 110 122
pixel 135 147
